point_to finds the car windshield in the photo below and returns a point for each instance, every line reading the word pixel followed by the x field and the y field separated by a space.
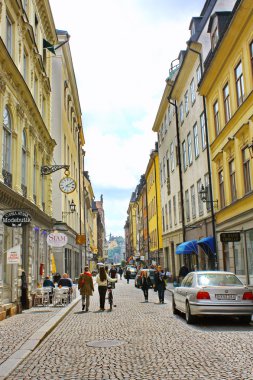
pixel 218 279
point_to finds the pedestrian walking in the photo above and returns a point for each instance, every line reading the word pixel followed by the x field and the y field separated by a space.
pixel 128 275
pixel 113 274
pixel 86 287
pixel 145 284
pixel 101 279
pixel 160 284
pixel 182 273
pixel 120 272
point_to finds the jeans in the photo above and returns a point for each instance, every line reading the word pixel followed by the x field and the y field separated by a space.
pixel 86 301
pixel 102 292
pixel 160 289
pixel 145 292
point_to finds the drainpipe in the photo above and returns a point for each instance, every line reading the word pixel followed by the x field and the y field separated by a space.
pixel 208 163
pixel 174 104
pixel 157 224
pixel 79 189
pixel 147 217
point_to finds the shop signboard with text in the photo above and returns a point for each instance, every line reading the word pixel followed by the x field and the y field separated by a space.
pixel 57 239
pixel 16 218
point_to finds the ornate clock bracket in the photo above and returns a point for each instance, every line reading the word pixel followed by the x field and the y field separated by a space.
pixel 49 169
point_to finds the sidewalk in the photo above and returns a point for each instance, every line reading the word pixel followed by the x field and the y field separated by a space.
pixel 22 333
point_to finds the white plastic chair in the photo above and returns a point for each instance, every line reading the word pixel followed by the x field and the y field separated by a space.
pixel 61 296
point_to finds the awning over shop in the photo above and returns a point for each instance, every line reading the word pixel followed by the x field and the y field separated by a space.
pixel 208 245
pixel 187 247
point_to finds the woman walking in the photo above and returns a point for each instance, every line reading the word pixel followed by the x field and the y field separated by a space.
pixel 145 284
pixel 101 280
pixel 85 285
pixel 160 284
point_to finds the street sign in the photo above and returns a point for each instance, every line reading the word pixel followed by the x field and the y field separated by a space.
pixel 16 218
pixel 229 237
pixel 57 239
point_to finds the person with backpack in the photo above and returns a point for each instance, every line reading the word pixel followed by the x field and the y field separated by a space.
pixel 86 287
pixel 145 284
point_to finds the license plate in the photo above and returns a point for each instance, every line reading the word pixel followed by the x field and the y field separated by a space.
pixel 225 296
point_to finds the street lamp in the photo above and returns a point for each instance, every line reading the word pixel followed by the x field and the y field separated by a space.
pixel 72 207
pixel 203 192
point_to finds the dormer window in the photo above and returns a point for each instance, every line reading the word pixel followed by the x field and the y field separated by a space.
pixel 214 38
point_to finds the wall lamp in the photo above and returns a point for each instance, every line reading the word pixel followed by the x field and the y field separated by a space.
pixel 250 147
pixel 204 195
pixel 72 207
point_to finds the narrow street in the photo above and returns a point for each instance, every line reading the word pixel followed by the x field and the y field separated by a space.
pixel 150 344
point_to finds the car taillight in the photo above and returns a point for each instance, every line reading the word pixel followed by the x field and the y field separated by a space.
pixel 203 296
pixel 248 296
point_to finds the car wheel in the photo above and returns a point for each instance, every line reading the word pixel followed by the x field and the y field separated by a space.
pixel 245 319
pixel 174 309
pixel 188 316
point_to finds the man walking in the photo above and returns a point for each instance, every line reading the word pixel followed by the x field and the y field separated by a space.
pixel 86 287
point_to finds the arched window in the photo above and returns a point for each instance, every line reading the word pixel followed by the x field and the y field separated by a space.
pixel 34 174
pixel 24 158
pixel 6 141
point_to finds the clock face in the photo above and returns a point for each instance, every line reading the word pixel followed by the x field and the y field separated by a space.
pixel 67 185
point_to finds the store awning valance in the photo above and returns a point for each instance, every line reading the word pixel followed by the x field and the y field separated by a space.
pixel 187 247
pixel 208 245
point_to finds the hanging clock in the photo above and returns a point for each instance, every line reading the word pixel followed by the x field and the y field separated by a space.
pixel 67 185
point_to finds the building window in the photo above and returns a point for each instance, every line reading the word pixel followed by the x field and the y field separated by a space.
pixel 9 35
pixel 170 214
pixel 203 130
pixel 251 54
pixel 35 89
pixel 193 201
pixel 239 84
pixel 25 65
pixel 165 123
pixel 186 103
pixel 7 131
pixel 196 140
pixel 189 143
pixel 200 202
pixel 232 180
pixel 192 89
pixel 181 112
pixel 169 115
pixel 164 169
pixel 36 28
pixel 198 72
pixel 166 217
pixel 222 190
pixel 214 38
pixel 216 117
pixel 246 170
pixel 163 219
pixel 175 210
pixel 161 173
pixel 34 174
pixel 226 100
pixel 24 160
pixel 172 160
pixel 187 205
pixel 179 207
pixel 168 172
pixel 184 155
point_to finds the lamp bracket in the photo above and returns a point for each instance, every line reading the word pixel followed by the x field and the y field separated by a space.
pixel 49 169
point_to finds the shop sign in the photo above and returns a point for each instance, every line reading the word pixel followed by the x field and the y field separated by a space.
pixel 16 218
pixel 81 239
pixel 229 237
pixel 57 239
pixel 13 255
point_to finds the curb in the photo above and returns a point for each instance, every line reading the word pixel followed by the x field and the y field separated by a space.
pixel 34 341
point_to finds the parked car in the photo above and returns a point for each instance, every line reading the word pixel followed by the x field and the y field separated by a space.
pixel 133 271
pixel 213 293
pixel 151 273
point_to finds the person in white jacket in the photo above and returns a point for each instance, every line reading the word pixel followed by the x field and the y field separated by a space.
pixel 101 279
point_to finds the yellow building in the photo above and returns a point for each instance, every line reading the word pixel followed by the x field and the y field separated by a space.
pixel 227 85
pixel 132 212
pixel 25 144
pixel 152 176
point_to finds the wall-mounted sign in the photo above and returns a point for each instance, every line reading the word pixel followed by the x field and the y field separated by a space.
pixel 13 255
pixel 81 239
pixel 230 237
pixel 57 239
pixel 16 218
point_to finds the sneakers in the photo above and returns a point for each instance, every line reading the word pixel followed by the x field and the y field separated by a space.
pixel 86 310
pixel 83 307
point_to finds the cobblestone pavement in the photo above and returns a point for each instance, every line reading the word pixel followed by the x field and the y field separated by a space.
pixel 158 345
pixel 16 330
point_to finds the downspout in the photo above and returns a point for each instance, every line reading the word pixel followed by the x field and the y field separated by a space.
pixel 180 168
pixel 208 163
pixel 157 224
pixel 147 217
pixel 79 189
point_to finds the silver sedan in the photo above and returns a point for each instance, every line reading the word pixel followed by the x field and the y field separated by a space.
pixel 213 293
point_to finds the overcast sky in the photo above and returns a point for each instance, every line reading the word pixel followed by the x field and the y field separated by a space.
pixel 122 51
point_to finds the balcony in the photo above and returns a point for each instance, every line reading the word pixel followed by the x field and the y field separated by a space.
pixel 7 178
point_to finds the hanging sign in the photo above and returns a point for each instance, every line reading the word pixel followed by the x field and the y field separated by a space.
pixel 16 218
pixel 14 255
pixel 57 239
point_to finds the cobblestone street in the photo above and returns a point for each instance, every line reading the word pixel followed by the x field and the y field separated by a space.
pixel 156 345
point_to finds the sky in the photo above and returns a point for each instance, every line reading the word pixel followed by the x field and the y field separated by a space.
pixel 121 51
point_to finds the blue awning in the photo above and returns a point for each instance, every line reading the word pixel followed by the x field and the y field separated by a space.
pixel 208 245
pixel 187 247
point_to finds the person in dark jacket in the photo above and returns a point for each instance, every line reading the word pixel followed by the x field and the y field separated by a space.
pixel 128 275
pixel 65 281
pixel 145 284
pixel 48 283
pixel 56 278
pixel 120 272
pixel 86 287
pixel 182 273
pixel 160 284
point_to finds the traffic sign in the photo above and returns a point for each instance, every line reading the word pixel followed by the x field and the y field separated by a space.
pixel 229 237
